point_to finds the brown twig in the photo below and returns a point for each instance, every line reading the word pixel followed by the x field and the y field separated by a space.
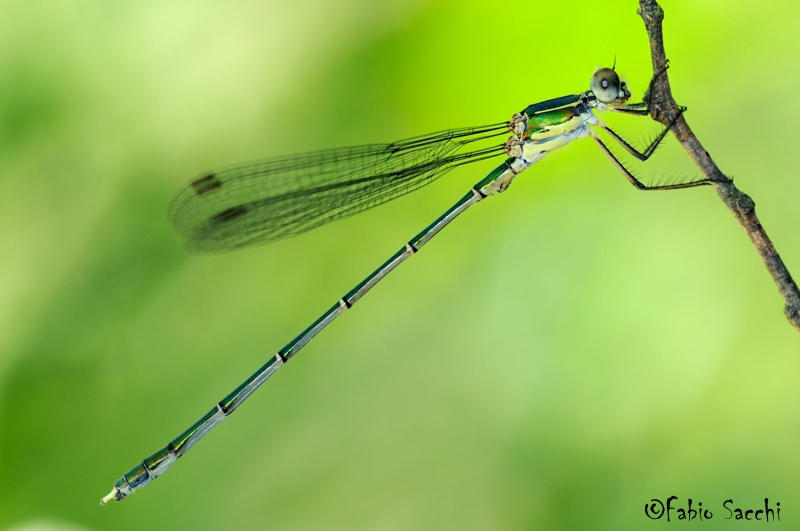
pixel 742 206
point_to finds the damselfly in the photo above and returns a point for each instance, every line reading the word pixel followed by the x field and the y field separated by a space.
pixel 266 201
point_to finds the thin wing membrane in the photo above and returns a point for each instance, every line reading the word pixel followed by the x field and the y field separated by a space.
pixel 264 201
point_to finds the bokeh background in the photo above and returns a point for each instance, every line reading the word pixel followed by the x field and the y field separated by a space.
pixel 556 358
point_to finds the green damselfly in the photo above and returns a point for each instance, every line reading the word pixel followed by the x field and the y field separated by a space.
pixel 265 201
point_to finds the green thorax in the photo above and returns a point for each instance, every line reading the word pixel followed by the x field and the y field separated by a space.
pixel 540 122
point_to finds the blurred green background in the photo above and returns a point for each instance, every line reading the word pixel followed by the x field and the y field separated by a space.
pixel 556 358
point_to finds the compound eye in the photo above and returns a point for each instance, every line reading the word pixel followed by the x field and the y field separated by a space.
pixel 605 85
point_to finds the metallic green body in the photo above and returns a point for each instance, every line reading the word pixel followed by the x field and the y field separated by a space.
pixel 546 119
pixel 238 395
pixel 538 130
pixel 495 174
pixel 548 105
pixel 154 465
pixel 541 122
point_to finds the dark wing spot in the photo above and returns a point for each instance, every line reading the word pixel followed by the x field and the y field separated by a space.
pixel 229 214
pixel 206 184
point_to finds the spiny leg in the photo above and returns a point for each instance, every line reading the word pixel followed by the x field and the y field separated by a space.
pixel 651 148
pixel 643 109
pixel 636 182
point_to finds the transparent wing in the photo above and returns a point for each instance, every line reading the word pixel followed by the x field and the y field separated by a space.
pixel 264 201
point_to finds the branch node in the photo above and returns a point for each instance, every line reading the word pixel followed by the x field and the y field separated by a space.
pixel 746 203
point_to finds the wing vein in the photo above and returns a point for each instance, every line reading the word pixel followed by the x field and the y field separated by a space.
pixel 264 201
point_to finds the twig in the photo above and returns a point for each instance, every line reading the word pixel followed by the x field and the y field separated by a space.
pixel 742 206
